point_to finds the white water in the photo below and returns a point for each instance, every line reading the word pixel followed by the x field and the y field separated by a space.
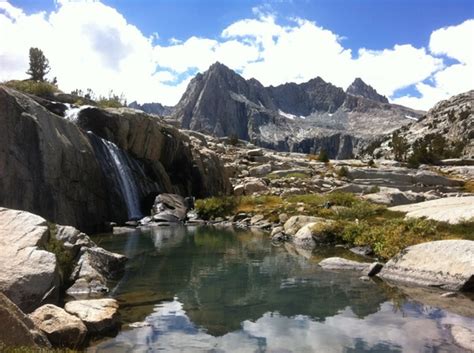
pixel 73 111
pixel 124 176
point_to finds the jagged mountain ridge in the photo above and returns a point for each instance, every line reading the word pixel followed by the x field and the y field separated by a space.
pixel 152 108
pixel 360 88
pixel 304 117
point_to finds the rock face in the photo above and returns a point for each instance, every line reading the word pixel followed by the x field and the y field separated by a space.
pixel 450 209
pixel 99 315
pixel 61 328
pixel 28 275
pixel 451 119
pixel 360 88
pixel 305 117
pixel 170 157
pixel 47 165
pixel 447 264
pixel 17 329
pixel 50 166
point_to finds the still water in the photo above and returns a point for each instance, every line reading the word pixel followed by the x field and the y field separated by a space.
pixel 208 290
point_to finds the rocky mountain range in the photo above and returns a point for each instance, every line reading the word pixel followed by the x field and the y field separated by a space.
pixel 152 108
pixel 307 117
pixel 450 122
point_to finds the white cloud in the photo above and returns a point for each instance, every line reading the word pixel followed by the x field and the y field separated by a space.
pixel 91 45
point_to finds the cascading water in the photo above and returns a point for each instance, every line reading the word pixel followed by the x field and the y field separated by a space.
pixel 72 111
pixel 114 160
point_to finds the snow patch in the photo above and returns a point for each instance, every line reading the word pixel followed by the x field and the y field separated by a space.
pixel 290 116
pixel 411 117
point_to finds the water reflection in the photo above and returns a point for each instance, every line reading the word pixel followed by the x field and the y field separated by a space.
pixel 219 291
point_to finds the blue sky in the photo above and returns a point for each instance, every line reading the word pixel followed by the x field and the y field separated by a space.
pixel 381 41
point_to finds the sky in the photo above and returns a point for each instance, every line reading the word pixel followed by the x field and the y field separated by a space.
pixel 416 52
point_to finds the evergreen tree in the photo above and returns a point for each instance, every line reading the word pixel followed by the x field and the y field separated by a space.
pixel 39 65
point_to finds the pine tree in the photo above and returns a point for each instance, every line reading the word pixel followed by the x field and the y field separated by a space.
pixel 39 65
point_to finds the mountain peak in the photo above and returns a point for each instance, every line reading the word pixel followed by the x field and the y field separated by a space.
pixel 360 88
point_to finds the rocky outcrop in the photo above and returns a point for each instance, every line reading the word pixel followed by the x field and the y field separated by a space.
pixel 28 274
pixel 47 165
pixel 450 124
pixel 312 234
pixel 450 209
pixel 453 268
pixel 52 167
pixel 360 88
pixel 61 328
pixel 17 329
pixel 307 117
pixel 169 156
pixel 99 315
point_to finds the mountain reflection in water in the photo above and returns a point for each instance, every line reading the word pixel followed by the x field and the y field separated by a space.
pixel 201 289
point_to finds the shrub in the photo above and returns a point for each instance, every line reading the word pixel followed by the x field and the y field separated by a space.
pixel 37 88
pixel 64 257
pixel 323 156
pixel 343 172
pixel 215 207
pixel 399 146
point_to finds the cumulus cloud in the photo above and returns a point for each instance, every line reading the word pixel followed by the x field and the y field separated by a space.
pixel 91 45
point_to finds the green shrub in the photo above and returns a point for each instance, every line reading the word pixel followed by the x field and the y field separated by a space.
pixel 216 207
pixel 323 156
pixel 360 210
pixel 341 198
pixel 343 172
pixel 64 257
pixel 37 88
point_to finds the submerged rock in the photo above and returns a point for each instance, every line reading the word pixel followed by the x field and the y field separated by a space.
pixel 99 315
pixel 61 328
pixel 17 329
pixel 447 264
pixel 338 263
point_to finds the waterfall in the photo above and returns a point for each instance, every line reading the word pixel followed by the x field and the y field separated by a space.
pixel 115 160
pixel 72 111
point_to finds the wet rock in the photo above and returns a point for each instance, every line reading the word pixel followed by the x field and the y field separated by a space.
pixel 256 219
pixel 99 315
pixel 374 269
pixel 447 264
pixel 338 263
pixel 17 329
pixel 362 250
pixel 450 209
pixel 169 208
pixel 61 328
pixel 29 276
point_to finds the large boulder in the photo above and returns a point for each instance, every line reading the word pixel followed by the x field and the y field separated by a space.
pixel 17 329
pixel 260 170
pixel 169 208
pixel 61 328
pixel 314 233
pixel 94 267
pixel 448 264
pixel 295 223
pixel 28 275
pixel 72 239
pixel 99 315
pixel 450 209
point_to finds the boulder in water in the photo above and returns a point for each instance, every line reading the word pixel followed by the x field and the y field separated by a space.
pixel 99 315
pixel 447 264
pixel 169 208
